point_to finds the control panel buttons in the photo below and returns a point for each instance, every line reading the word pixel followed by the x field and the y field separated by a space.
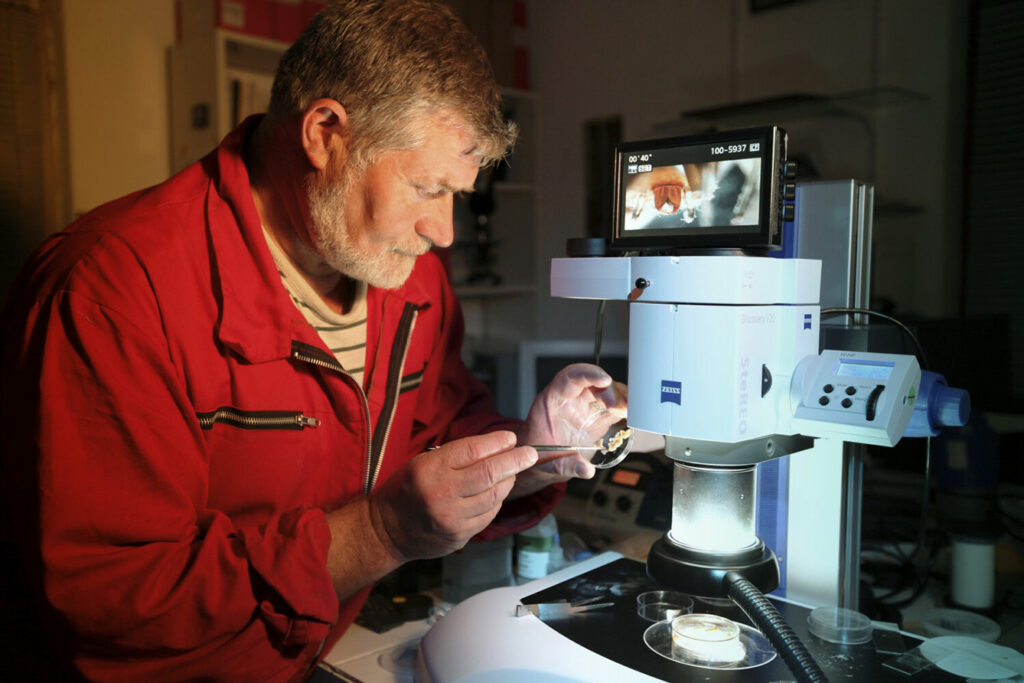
pixel 847 403
pixel 851 390
pixel 823 400
pixel 828 388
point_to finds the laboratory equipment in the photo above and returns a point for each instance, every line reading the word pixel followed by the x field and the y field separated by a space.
pixel 724 362
pixel 483 640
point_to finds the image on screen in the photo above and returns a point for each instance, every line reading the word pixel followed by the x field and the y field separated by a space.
pixel 717 190
pixel 694 195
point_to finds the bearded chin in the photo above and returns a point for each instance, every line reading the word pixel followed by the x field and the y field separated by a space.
pixel 383 268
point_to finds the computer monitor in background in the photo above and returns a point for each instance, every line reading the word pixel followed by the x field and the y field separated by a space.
pixel 540 360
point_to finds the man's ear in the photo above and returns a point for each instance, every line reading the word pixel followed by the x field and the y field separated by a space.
pixel 324 132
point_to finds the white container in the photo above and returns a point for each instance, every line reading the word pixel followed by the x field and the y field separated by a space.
pixel 534 547
pixel 974 572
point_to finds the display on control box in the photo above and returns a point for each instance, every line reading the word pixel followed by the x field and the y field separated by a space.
pixel 719 190
pixel 864 370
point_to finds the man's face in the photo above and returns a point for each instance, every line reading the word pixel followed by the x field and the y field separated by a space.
pixel 371 226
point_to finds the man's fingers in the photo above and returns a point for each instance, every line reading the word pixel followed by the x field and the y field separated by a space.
pixel 477 463
pixel 615 395
pixel 568 465
pixel 488 473
pixel 486 502
pixel 578 377
pixel 466 452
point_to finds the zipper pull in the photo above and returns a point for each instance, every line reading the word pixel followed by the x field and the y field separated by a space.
pixel 305 421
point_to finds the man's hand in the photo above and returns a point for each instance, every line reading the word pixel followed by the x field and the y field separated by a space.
pixel 444 497
pixel 555 418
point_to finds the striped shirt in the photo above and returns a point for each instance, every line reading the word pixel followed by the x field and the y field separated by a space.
pixel 343 333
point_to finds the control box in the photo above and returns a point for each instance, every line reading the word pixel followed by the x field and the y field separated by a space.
pixel 855 396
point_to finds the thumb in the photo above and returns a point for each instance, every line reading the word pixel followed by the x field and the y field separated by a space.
pixel 467 451
pixel 578 377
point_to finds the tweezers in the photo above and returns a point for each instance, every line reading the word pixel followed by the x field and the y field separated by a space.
pixel 560 608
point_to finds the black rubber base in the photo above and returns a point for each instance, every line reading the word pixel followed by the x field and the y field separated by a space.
pixel 703 574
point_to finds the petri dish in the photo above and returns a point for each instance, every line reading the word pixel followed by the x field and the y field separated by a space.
pixel 609 430
pixel 839 625
pixel 708 641
pixel 662 605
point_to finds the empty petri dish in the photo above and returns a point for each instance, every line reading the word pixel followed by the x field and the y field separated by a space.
pixel 839 625
pixel 662 605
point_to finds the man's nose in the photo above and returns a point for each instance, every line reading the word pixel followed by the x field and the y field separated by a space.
pixel 436 224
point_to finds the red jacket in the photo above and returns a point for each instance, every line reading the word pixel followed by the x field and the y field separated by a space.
pixel 181 429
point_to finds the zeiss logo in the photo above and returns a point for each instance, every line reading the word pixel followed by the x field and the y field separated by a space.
pixel 671 392
pixel 807 321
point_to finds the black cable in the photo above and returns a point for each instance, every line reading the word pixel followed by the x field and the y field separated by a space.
pixel 920 559
pixel 925 497
pixel 1012 518
pixel 763 613
pixel 922 582
pixel 898 555
pixel 867 311
pixel 599 331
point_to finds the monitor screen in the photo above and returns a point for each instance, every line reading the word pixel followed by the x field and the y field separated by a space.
pixel 718 190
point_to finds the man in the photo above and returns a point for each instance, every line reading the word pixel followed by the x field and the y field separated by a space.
pixel 235 400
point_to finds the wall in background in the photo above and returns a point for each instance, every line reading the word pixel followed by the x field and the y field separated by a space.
pixel 650 60
pixel 116 55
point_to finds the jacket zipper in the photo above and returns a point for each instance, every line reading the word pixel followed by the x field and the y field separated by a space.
pixel 261 419
pixel 313 355
pixel 387 414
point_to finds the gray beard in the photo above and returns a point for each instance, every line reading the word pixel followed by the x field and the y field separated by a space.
pixel 387 268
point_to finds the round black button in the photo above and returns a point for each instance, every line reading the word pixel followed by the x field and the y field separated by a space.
pixel 623 503
pixel 828 388
pixel 847 403
pixel 823 400
pixel 600 498
pixel 851 390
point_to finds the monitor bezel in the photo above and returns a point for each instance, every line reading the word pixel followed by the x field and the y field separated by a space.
pixel 766 236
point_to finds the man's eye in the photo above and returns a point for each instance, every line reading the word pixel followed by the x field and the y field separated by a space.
pixel 429 194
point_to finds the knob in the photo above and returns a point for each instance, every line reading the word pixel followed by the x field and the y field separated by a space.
pixel 952 406
pixel 623 503
pixel 600 498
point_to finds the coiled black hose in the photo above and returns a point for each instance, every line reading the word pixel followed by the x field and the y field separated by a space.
pixel 774 627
